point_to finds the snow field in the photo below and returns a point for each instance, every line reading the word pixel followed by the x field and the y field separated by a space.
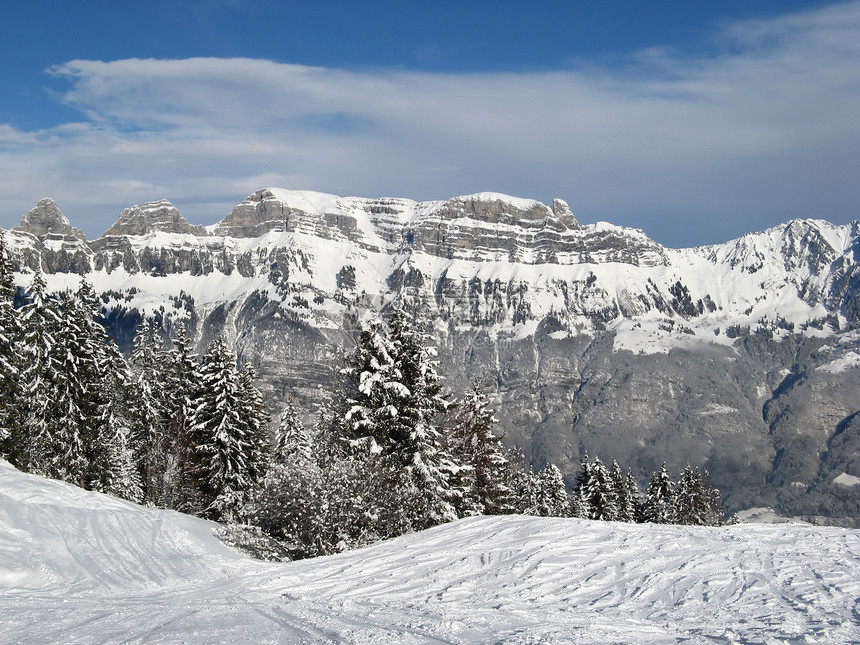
pixel 82 567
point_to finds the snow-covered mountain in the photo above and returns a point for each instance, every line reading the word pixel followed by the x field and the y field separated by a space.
pixel 743 357
pixel 81 567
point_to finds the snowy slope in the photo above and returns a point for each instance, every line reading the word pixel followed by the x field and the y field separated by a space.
pixel 81 567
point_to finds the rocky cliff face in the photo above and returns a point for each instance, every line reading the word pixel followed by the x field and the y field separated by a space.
pixel 743 357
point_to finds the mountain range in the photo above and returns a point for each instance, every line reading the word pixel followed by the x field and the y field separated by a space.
pixel 742 357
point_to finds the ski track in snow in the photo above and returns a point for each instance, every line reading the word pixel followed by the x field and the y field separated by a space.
pixel 85 568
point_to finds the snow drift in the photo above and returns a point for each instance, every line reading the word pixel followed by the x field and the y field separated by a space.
pixel 81 567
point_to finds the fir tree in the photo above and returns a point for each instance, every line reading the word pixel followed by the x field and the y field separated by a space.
pixel 227 444
pixel 179 368
pixel 598 493
pixel 527 495
pixel 256 419
pixel 104 400
pixel 419 440
pixel 149 438
pixel 522 482
pixel 482 466
pixel 626 493
pixel 695 501
pixel 292 440
pixel 658 504
pixel 291 503
pixel 392 401
pixel 552 500
pixel 631 502
pixel 10 365
pixel 578 507
pixel 54 443
pixel 119 475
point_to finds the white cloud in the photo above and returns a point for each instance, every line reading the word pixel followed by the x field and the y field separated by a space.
pixel 761 131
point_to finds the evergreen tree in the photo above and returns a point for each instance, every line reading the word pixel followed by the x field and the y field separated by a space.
pixel 179 368
pixel 695 501
pixel 291 503
pixel 580 486
pixel 522 482
pixel 104 400
pixel 552 500
pixel 292 440
pixel 541 494
pixel 578 507
pixel 631 503
pixel 121 476
pixel 527 495
pixel 392 399
pixel 10 365
pixel 227 444
pixel 149 438
pixel 480 456
pixel 256 419
pixel 419 441
pixel 712 501
pixel 598 493
pixel 626 493
pixel 658 504
pixel 56 419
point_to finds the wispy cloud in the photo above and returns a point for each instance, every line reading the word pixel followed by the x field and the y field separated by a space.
pixel 762 130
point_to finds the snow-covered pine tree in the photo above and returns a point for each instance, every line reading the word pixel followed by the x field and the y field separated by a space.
pixel 626 493
pixel 479 455
pixel 149 438
pixel 526 487
pixel 658 504
pixel 695 501
pixel 713 502
pixel 226 443
pixel 578 507
pixel 256 418
pixel 360 504
pixel 419 440
pixel 580 487
pixel 57 418
pixel 40 320
pixel 599 493
pixel 292 440
pixel 684 501
pixel 392 403
pixel 105 400
pixel 179 368
pixel 120 475
pixel 291 502
pixel 370 382
pixel 121 478
pixel 552 500
pixel 521 480
pixel 633 501
pixel 10 365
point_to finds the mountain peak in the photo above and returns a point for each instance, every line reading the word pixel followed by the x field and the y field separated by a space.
pixel 47 219
pixel 156 216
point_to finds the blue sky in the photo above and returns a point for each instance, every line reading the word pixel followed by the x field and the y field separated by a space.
pixel 733 115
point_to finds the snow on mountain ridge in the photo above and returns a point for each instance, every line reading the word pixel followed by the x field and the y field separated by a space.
pixel 591 337
pixel 784 271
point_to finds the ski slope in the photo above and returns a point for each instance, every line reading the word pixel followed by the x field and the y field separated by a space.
pixel 80 567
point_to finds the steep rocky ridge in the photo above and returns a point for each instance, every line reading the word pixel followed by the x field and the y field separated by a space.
pixel 739 357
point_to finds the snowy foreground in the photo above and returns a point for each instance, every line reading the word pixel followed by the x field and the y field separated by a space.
pixel 82 567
